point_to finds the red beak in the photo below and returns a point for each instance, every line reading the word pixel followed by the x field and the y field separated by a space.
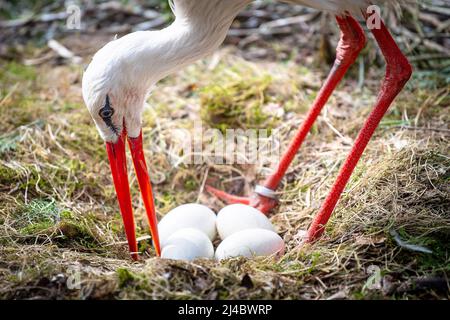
pixel 118 163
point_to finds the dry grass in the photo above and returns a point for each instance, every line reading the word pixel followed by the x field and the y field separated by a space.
pixel 58 212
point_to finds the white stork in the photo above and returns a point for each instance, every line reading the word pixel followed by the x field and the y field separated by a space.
pixel 122 73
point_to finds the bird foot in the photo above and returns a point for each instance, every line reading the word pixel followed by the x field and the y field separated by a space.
pixel 260 202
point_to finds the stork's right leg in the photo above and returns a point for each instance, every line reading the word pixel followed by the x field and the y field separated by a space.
pixel 351 43
pixel 398 72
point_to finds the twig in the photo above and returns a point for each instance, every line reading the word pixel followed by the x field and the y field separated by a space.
pixel 406 245
pixel 202 187
pixel 63 52
pixel 419 128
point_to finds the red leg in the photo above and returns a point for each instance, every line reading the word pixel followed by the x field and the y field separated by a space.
pixel 398 72
pixel 228 198
pixel 350 45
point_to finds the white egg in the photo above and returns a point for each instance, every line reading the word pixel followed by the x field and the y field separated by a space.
pixel 188 244
pixel 237 217
pixel 190 215
pixel 250 243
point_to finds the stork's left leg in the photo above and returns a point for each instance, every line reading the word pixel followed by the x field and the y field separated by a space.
pixel 351 43
pixel 398 72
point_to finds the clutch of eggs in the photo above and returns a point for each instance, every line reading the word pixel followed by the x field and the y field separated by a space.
pixel 186 233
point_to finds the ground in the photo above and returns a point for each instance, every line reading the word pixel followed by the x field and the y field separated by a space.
pixel 62 236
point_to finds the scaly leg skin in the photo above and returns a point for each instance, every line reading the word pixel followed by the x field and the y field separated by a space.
pixel 398 72
pixel 350 45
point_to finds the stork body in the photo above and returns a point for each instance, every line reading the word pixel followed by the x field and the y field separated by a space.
pixel 122 74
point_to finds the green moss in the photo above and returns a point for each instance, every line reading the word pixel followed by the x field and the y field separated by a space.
pixel 41 210
pixel 35 179
pixel 45 216
pixel 73 231
pixel 36 228
pixel 190 185
pixel 14 71
pixel 37 216
pixel 66 214
pixel 125 277
pixel 8 144
pixel 166 200
pixel 237 103
pixel 116 225
pixel 7 175
pixel 23 108
pixel 87 141
pixel 69 106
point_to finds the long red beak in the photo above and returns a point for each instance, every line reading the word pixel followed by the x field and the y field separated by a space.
pixel 118 163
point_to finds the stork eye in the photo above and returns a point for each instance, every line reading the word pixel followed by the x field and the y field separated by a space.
pixel 106 112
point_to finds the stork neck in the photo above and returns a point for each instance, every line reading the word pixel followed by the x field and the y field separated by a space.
pixel 199 29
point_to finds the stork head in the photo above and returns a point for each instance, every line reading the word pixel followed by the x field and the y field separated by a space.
pixel 115 96
pixel 113 91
